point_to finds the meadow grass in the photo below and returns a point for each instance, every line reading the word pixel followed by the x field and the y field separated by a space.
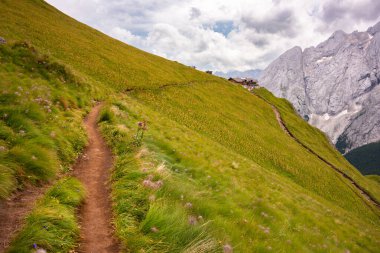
pixel 214 169
pixel 208 189
pixel 41 115
pixel 375 178
pixel 52 225
pixel 317 141
pixel 232 116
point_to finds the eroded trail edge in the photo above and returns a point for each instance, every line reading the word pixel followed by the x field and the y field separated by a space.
pixel 93 170
pixel 14 210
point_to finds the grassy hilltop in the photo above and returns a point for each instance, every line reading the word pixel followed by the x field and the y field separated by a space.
pixel 214 168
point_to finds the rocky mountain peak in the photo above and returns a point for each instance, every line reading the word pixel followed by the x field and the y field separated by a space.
pixel 374 29
pixel 335 85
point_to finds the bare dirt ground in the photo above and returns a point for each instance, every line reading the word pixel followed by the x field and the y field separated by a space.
pixel 93 169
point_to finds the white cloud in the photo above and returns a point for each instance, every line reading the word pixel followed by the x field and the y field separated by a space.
pixel 222 35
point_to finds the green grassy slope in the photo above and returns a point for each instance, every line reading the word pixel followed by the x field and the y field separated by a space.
pixel 52 224
pixel 317 141
pixel 88 51
pixel 235 197
pixel 214 166
pixel 41 110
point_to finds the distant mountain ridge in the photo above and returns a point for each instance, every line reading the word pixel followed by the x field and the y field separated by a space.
pixel 335 86
pixel 252 73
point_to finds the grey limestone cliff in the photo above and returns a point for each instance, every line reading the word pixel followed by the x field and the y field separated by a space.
pixel 335 85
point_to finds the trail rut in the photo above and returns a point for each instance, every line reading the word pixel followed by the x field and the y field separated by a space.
pixel 93 169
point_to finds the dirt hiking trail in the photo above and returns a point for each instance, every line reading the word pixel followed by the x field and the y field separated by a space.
pixel 362 192
pixel 93 170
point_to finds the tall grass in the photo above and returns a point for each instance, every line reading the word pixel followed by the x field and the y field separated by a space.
pixel 212 197
pixel 40 128
pixel 212 150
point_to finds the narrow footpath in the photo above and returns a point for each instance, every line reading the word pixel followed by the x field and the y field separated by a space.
pixel 361 190
pixel 93 170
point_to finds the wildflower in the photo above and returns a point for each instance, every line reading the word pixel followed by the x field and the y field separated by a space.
pixel 159 183
pixel 227 248
pixel 188 205
pixel 34 158
pixel 52 134
pixel 41 251
pixel 2 148
pixel 266 230
pixel 264 214
pixel 142 126
pixel 17 93
pixel 148 183
pixel 22 132
pixel 5 115
pixel 192 220
pixel 34 246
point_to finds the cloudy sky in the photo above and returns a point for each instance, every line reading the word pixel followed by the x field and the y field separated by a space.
pixel 222 35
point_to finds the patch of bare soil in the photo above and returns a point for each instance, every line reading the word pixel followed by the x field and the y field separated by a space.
pixel 93 170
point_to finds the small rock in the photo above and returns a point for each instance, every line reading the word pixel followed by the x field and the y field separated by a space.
pixel 154 230
pixel 235 165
